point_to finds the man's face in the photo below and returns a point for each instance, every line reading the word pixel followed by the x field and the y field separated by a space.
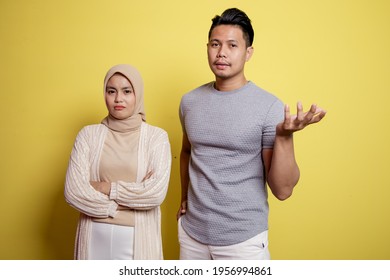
pixel 227 52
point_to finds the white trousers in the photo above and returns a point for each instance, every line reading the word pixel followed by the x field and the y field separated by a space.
pixel 255 248
pixel 111 242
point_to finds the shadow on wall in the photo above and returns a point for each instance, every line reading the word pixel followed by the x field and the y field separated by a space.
pixel 61 228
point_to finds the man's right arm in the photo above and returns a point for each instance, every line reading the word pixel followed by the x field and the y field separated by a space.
pixel 185 155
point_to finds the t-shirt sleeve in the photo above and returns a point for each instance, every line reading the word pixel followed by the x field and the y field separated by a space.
pixel 275 115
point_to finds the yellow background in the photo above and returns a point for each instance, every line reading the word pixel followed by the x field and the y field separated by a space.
pixel 53 57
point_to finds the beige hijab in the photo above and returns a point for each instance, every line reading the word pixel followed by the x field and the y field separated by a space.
pixel 134 121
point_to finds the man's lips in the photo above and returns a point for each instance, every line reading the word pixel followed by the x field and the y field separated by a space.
pixel 221 65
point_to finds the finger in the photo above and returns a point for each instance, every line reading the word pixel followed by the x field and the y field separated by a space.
pixel 311 113
pixel 318 116
pixel 184 206
pixel 182 210
pixel 287 116
pixel 300 114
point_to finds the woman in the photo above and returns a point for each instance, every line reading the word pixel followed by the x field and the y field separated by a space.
pixel 118 176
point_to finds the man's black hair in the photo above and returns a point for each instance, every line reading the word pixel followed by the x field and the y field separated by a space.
pixel 234 16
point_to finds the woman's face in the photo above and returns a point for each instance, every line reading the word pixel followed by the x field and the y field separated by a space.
pixel 120 97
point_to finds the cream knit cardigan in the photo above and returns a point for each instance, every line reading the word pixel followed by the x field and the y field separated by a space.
pixel 144 196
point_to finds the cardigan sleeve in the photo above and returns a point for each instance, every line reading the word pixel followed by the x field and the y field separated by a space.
pixel 151 191
pixel 78 191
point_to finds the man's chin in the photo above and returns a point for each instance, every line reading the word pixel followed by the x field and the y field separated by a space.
pixel 221 75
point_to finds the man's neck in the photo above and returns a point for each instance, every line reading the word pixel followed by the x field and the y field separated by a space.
pixel 228 84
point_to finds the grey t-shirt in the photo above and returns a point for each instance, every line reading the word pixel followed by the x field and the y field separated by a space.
pixel 227 195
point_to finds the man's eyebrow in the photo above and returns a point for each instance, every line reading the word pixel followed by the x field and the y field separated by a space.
pixel 229 41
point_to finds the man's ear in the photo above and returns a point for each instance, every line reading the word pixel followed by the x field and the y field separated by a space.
pixel 249 53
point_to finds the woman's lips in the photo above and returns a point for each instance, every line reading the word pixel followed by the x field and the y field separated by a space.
pixel 118 108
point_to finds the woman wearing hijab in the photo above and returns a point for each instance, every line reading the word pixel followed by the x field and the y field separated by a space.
pixel 118 176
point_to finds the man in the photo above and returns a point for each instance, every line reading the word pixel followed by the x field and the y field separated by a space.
pixel 236 138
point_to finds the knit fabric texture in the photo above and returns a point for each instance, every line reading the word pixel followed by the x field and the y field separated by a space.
pixel 227 195
pixel 144 196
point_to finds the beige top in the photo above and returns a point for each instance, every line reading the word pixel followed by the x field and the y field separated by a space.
pixel 119 163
